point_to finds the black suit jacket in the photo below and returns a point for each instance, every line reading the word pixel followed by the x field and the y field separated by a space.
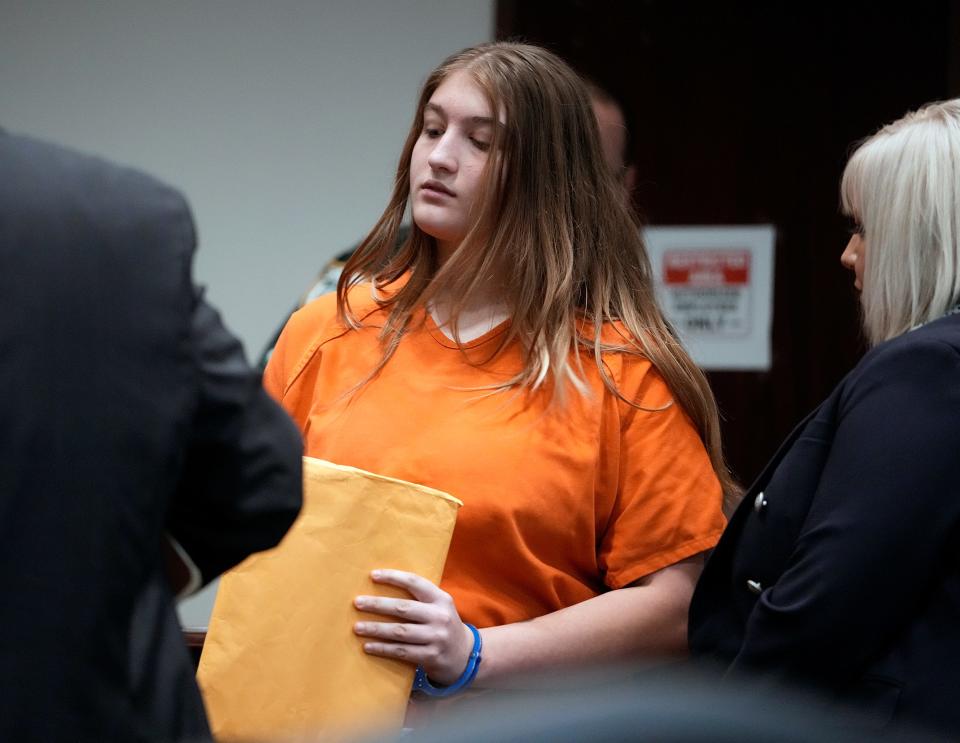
pixel 126 411
pixel 841 567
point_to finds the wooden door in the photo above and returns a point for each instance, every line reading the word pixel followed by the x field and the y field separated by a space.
pixel 745 113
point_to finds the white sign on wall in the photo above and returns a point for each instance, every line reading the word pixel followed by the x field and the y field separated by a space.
pixel 715 285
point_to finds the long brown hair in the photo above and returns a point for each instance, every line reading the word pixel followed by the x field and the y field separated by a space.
pixel 553 238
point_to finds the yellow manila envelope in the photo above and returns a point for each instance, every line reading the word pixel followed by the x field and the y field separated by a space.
pixel 280 658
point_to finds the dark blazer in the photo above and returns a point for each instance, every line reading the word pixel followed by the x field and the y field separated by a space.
pixel 126 411
pixel 841 567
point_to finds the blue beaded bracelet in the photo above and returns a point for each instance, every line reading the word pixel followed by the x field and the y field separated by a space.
pixel 422 684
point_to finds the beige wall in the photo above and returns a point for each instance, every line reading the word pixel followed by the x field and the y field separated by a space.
pixel 281 121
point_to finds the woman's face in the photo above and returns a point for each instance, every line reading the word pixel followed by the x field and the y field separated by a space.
pixel 854 257
pixel 447 163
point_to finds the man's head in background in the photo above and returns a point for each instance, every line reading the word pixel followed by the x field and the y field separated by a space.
pixel 614 135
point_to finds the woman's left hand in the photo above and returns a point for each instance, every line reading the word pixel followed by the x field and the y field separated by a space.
pixel 430 632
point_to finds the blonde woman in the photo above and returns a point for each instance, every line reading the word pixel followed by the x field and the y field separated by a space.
pixel 841 567
pixel 512 353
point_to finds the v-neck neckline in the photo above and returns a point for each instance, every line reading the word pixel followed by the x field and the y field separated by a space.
pixel 444 340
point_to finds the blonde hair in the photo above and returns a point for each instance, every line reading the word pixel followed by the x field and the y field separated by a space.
pixel 903 186
pixel 553 237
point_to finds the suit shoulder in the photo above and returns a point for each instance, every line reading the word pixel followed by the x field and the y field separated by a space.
pixel 43 179
pixel 77 221
pixel 925 347
pixel 36 160
pixel 921 365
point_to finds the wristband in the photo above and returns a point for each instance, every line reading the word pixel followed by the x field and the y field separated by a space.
pixel 422 684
